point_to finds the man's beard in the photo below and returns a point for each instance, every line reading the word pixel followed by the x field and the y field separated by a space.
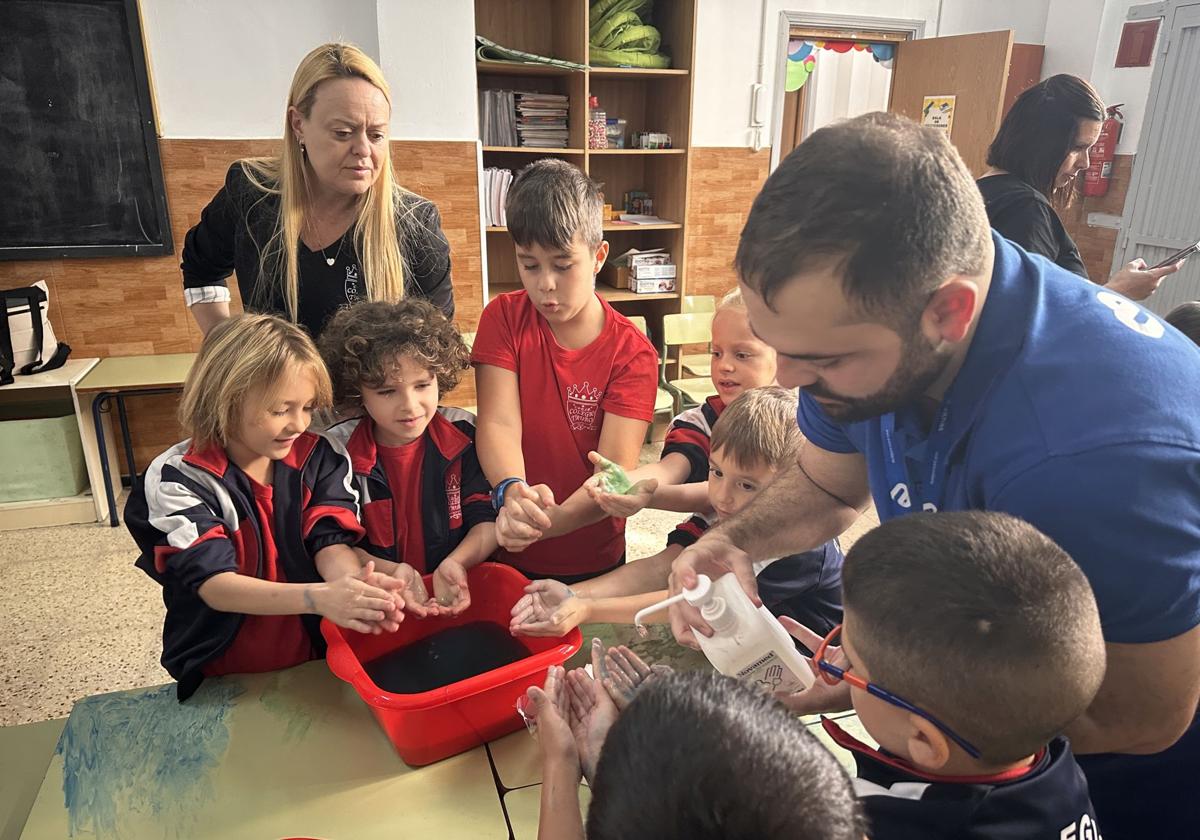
pixel 920 366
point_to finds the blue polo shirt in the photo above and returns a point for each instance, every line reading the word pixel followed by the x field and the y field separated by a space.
pixel 1075 410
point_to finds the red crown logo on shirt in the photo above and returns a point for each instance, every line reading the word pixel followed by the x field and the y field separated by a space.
pixel 584 393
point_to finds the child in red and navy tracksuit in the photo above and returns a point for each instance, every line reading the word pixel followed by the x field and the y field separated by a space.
pixel 248 525
pixel 678 480
pixel 560 373
pixel 426 503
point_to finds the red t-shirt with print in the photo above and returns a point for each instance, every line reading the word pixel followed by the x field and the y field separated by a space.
pixel 565 395
pixel 402 466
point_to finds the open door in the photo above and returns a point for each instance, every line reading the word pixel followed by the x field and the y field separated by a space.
pixel 973 69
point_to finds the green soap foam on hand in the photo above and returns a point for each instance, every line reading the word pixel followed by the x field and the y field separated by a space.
pixel 613 478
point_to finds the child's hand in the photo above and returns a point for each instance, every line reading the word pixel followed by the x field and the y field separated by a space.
pixel 548 608
pixel 623 673
pixel 416 597
pixel 392 585
pixel 353 603
pixel 820 697
pixel 523 518
pixel 551 714
pixel 622 505
pixel 450 587
pixel 592 712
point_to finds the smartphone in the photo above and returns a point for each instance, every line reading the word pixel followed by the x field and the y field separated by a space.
pixel 1178 255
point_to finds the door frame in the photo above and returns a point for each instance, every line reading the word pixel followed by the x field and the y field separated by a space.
pixel 1153 120
pixel 913 27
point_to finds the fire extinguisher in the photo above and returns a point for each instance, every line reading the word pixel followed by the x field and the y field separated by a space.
pixel 1099 172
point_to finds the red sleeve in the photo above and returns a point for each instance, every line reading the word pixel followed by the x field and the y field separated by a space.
pixel 633 387
pixel 495 342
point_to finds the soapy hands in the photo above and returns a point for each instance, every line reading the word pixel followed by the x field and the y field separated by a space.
pixel 524 517
pixel 366 601
pixel 612 490
pixel 573 712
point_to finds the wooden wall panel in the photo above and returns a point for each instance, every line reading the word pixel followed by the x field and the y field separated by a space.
pixel 724 182
pixel 130 306
pixel 1097 244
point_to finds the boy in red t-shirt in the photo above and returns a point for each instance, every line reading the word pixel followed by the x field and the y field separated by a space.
pixel 561 372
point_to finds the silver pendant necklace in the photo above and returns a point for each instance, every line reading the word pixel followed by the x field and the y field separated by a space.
pixel 329 261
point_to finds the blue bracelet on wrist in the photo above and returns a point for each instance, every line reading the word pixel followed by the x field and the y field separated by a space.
pixel 500 489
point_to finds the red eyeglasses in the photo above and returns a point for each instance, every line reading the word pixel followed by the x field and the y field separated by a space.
pixel 831 674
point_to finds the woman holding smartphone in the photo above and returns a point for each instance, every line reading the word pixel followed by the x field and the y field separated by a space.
pixel 1034 161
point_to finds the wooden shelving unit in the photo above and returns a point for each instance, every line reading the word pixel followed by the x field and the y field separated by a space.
pixel 648 100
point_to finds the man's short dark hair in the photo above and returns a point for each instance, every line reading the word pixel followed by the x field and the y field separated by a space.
pixel 1186 318
pixel 980 619
pixel 1040 129
pixel 888 203
pixel 700 756
pixel 550 201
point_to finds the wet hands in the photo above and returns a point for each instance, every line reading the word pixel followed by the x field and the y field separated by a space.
pixel 524 517
pixel 548 608
pixel 614 493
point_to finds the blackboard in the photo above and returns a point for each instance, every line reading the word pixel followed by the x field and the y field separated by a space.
pixel 80 174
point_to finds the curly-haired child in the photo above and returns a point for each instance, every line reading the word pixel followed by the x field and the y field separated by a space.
pixel 426 504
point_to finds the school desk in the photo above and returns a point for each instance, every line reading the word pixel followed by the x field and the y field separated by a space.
pixel 59 384
pixel 116 379
pixel 293 753
pixel 24 755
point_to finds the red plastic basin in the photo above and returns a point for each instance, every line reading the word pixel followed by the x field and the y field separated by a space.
pixel 437 724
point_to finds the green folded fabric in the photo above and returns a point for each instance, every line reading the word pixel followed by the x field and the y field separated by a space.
pixel 617 37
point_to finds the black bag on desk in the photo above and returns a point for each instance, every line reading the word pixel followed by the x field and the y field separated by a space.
pixel 27 342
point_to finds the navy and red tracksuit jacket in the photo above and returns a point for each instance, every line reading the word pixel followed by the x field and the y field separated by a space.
pixel 455 494
pixel 193 515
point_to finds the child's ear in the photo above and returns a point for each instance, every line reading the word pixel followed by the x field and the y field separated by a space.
pixel 600 256
pixel 928 748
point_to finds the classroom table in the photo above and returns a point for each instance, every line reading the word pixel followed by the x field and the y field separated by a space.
pixel 24 756
pixel 116 379
pixel 293 753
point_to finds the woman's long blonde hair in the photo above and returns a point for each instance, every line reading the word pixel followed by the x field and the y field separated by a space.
pixel 376 235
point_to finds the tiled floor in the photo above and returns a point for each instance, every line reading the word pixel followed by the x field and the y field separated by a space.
pixel 76 617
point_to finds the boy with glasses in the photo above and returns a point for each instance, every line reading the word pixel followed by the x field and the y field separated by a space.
pixel 970 641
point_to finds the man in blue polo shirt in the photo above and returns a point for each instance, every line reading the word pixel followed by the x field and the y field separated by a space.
pixel 944 368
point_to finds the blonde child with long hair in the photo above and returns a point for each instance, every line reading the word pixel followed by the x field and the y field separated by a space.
pixel 322 224
pixel 249 524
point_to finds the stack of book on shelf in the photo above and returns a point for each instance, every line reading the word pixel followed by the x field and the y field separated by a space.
pixel 495 192
pixel 497 118
pixel 643 272
pixel 542 119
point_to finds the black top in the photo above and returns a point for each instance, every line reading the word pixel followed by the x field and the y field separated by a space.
pixel 239 221
pixel 1023 215
pixel 1048 801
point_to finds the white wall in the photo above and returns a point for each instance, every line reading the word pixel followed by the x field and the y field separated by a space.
pixel 1072 29
pixel 1129 85
pixel 1027 18
pixel 429 61
pixel 222 68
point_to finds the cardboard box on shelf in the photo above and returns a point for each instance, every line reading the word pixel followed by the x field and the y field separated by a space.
pixel 653 272
pixel 652 285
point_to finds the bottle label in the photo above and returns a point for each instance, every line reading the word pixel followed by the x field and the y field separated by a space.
pixel 770 674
